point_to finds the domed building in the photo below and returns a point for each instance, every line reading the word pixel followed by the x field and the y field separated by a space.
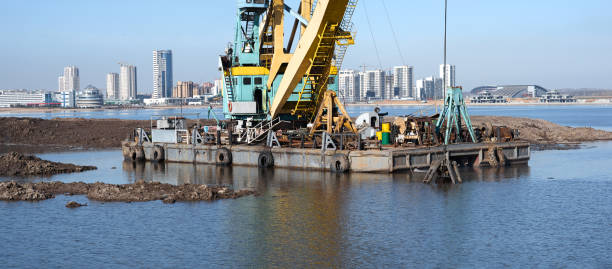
pixel 512 91
pixel 90 98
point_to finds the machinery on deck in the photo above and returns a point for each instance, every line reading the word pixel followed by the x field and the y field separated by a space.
pixel 265 81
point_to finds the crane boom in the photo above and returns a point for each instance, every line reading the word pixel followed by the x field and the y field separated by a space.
pixel 327 16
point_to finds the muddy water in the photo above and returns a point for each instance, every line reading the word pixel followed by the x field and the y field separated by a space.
pixel 555 212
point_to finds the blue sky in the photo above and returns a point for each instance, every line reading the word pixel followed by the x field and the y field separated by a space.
pixel 554 43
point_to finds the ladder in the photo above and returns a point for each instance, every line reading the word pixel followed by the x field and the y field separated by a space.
pixel 315 80
pixel 229 85
pixel 260 131
pixel 345 38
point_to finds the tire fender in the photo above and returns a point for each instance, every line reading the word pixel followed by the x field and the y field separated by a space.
pixel 158 154
pixel 223 156
pixel 340 163
pixel 137 153
pixel 265 160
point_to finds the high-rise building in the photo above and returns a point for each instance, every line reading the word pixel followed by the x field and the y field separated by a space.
pixel 206 88
pixel 112 86
pixel 450 74
pixel 374 84
pixel 68 85
pixel 362 89
pixel 348 85
pixel 403 79
pixel 216 90
pixel 184 89
pixel 71 78
pixel 429 88
pixel 128 82
pixel 60 83
pixel 162 73
pixel 389 92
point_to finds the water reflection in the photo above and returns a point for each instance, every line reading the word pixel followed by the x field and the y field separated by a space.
pixel 254 178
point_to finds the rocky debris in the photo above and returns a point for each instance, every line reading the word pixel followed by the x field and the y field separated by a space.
pixel 74 204
pixel 140 191
pixel 17 164
pixel 538 131
pixel 12 191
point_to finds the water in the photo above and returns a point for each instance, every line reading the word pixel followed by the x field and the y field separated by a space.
pixel 555 212
pixel 541 215
pixel 596 116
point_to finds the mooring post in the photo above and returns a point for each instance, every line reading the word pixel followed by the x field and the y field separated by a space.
pixel 230 137
pixel 302 141
pixel 456 168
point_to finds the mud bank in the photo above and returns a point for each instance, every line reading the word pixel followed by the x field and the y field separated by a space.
pixel 16 164
pixel 542 132
pixel 140 191
pixel 70 133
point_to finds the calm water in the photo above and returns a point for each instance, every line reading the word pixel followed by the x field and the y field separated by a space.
pixel 596 116
pixel 556 212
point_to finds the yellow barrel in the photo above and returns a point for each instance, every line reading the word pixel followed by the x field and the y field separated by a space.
pixel 386 128
pixel 379 135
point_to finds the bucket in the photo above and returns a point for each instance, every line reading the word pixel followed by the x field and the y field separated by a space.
pixel 386 127
pixel 386 138
pixel 379 136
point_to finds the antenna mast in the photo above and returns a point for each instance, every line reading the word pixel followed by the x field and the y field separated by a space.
pixel 444 66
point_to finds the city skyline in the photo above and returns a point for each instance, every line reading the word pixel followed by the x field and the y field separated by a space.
pixel 524 49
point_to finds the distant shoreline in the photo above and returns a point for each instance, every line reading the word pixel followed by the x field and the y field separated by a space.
pixel 471 104
pixel 598 102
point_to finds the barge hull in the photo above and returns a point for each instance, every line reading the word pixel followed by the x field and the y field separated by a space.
pixel 387 160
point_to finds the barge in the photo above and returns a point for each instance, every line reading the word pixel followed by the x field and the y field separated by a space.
pixel 385 160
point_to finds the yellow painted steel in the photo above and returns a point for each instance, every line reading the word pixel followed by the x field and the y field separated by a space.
pixel 334 70
pixel 327 16
pixel 249 71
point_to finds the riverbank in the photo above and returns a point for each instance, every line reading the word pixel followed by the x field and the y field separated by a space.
pixel 41 135
pixel 106 108
pixel 140 191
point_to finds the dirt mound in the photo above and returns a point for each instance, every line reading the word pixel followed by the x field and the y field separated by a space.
pixel 16 164
pixel 72 133
pixel 140 191
pixel 538 131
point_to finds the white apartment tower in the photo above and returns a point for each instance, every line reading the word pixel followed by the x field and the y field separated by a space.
pixel 374 84
pixel 112 86
pixel 60 83
pixel 450 74
pixel 348 85
pixel 429 88
pixel 128 87
pixel 403 79
pixel 162 73
pixel 70 81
